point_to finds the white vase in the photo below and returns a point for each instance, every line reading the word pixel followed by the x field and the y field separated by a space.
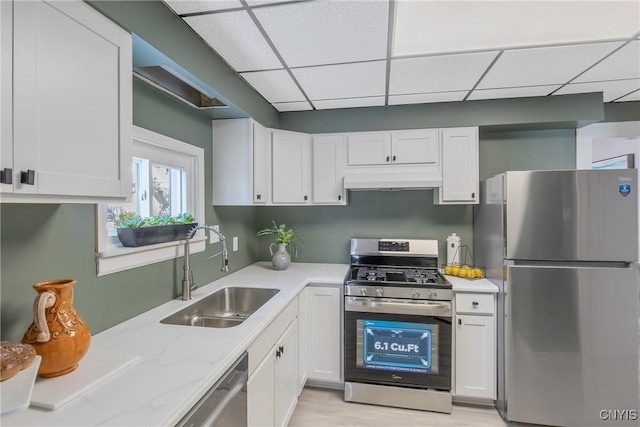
pixel 281 258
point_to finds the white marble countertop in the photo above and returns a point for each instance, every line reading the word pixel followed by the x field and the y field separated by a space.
pixel 460 284
pixel 177 364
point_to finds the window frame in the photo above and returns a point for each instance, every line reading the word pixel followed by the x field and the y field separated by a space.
pixel 112 258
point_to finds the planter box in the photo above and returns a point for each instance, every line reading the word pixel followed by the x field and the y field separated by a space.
pixel 133 237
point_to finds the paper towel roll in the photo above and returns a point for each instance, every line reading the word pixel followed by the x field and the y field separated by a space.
pixel 453 249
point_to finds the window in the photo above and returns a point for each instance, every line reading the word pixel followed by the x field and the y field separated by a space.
pixel 167 179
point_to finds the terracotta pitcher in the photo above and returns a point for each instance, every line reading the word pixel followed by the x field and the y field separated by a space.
pixel 58 333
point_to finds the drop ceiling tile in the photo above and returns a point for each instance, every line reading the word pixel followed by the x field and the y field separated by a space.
pixel 544 66
pixel 635 96
pixel 512 92
pixel 327 32
pixel 624 64
pixel 371 101
pixel 447 26
pixel 444 73
pixel 275 85
pixel 426 98
pixel 181 7
pixel 292 106
pixel 611 89
pixel 236 39
pixel 343 81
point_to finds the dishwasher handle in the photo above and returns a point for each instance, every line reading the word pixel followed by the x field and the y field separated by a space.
pixel 234 389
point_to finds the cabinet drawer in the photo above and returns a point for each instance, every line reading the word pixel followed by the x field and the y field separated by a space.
pixel 474 303
pixel 268 338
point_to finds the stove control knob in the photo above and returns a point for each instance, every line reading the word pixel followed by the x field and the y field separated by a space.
pixel 415 293
pixel 363 291
pixel 379 292
pixel 433 295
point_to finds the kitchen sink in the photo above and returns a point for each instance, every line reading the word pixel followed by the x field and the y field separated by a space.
pixel 224 308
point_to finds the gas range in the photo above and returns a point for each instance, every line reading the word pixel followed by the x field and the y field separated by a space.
pixel 395 268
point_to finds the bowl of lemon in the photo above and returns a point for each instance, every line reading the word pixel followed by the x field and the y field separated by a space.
pixel 465 271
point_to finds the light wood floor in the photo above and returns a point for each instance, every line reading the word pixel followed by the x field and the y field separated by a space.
pixel 321 407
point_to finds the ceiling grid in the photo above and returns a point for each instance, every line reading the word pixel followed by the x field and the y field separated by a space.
pixel 321 54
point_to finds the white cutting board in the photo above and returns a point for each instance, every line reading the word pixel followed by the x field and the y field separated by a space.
pixel 94 368
pixel 15 392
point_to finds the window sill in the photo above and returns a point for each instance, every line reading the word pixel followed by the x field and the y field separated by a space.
pixel 122 259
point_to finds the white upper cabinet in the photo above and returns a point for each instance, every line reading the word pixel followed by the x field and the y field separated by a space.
pixel 400 147
pixel 72 102
pixel 328 169
pixel 460 176
pixel 291 167
pixel 241 163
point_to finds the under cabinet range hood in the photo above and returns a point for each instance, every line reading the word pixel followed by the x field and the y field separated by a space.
pixel 169 81
pixel 393 181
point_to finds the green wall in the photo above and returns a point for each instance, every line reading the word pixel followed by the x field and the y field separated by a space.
pixel 42 242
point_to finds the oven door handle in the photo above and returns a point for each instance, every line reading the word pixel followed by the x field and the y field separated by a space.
pixel 393 306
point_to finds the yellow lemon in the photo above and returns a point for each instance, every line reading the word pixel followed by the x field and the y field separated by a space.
pixel 463 272
pixel 477 272
pixel 455 270
pixel 447 269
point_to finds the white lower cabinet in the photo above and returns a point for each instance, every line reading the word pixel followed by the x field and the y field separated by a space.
pixel 272 389
pixel 475 346
pixel 323 332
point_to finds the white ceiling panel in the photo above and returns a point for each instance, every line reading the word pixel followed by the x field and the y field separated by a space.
pixel 275 85
pixel 292 106
pixel 445 73
pixel 192 6
pixel 624 64
pixel 426 98
pixel 635 96
pixel 531 67
pixel 237 39
pixel 611 89
pixel 512 92
pixel 328 32
pixel 371 101
pixel 343 81
pixel 449 26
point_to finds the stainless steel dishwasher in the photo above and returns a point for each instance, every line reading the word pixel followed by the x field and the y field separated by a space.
pixel 225 404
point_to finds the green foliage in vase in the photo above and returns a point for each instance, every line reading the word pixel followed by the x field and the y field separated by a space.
pixel 127 219
pixel 283 234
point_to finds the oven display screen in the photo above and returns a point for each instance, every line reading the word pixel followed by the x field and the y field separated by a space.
pixel 397 346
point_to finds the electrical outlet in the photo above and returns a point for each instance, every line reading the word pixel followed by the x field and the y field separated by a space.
pixel 235 243
pixel 213 237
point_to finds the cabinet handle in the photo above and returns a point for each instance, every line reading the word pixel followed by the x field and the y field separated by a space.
pixel 305 198
pixel 278 354
pixel 6 176
pixel 387 158
pixel 259 196
pixel 281 349
pixel 394 158
pixel 28 177
pixel 474 303
pixel 460 322
pixel 339 197
pixel 473 195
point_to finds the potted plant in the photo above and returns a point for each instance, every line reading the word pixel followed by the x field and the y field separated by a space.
pixel 284 237
pixel 134 230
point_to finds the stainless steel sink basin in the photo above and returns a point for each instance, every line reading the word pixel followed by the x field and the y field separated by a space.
pixel 225 308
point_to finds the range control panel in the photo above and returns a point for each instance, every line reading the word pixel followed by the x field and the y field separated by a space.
pixel 393 246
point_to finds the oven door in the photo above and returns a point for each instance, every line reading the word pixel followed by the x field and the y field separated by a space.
pixel 398 342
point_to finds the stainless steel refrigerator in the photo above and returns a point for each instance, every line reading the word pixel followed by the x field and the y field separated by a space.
pixel 562 246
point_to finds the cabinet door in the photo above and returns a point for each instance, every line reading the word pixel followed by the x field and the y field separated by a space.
pixel 261 164
pixel 72 100
pixel 260 393
pixel 291 167
pixel 415 147
pixel 369 149
pixel 460 180
pixel 6 101
pixel 303 322
pixel 324 333
pixel 475 356
pixel 286 375
pixel 328 169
